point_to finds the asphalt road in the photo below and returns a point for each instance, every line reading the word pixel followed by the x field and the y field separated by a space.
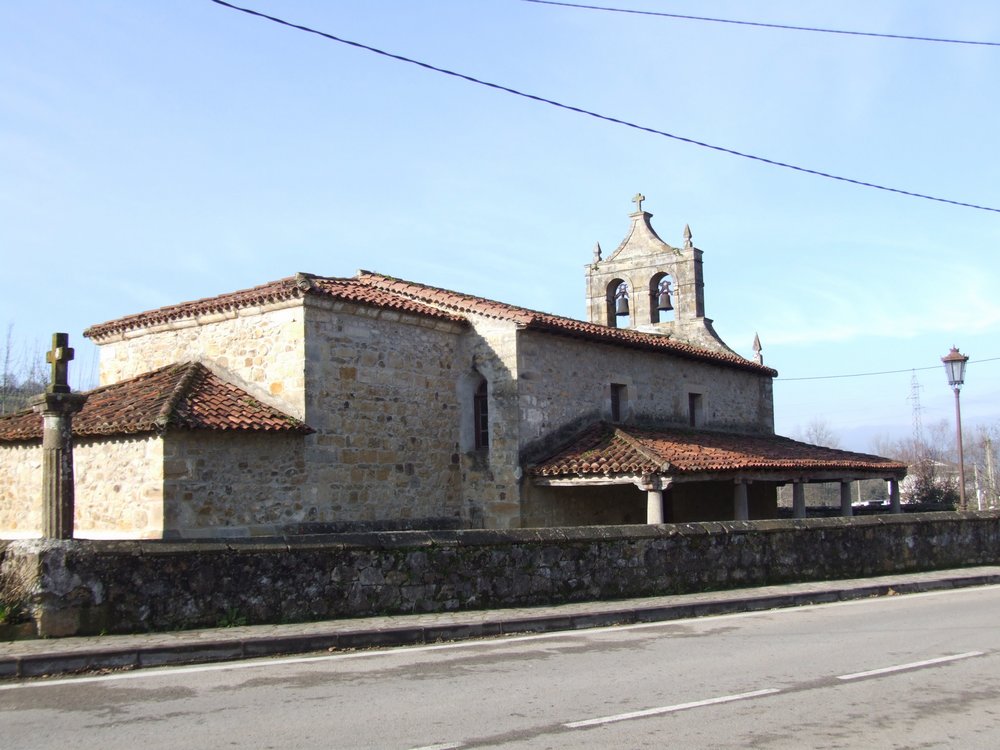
pixel 911 671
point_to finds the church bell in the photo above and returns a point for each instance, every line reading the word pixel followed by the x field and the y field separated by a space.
pixel 621 306
pixel 663 301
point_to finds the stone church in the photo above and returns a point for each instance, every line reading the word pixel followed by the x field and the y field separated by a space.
pixel 314 403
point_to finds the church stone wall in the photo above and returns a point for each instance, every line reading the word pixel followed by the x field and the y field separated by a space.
pixel 491 478
pixel 388 394
pixel 602 505
pixel 565 382
pixel 382 395
pixel 243 484
pixel 20 490
pixel 260 349
pixel 382 390
pixel 118 489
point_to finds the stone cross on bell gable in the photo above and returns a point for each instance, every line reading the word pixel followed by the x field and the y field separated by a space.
pixel 59 358
pixel 637 199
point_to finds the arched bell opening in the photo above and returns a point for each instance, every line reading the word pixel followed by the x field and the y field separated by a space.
pixel 661 299
pixel 619 311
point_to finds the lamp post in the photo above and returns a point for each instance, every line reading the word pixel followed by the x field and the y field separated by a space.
pixel 954 367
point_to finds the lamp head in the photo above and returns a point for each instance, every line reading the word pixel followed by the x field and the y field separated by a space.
pixel 954 367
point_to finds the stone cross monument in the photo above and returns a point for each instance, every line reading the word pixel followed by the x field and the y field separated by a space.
pixel 57 407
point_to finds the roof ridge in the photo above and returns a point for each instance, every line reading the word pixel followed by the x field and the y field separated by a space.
pixel 382 281
pixel 647 453
pixel 382 296
pixel 179 391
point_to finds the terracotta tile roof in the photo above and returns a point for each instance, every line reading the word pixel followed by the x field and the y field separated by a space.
pixel 607 450
pixel 389 293
pixel 181 396
pixel 533 319
pixel 292 287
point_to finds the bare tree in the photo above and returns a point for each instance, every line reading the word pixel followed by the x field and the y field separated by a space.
pixel 22 373
pixel 983 467
pixel 6 373
pixel 819 432
pixel 932 477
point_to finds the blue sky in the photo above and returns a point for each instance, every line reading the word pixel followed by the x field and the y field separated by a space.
pixel 152 153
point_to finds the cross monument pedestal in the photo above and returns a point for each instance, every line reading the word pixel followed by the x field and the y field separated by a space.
pixel 57 407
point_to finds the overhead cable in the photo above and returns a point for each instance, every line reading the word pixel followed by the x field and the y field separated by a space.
pixel 883 372
pixel 781 26
pixel 606 118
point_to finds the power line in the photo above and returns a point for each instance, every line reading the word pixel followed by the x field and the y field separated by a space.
pixel 606 118
pixel 883 372
pixel 781 26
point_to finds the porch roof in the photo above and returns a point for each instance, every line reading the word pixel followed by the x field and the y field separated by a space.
pixel 605 451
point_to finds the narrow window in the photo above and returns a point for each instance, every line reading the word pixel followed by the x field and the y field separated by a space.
pixel 694 409
pixel 481 416
pixel 619 401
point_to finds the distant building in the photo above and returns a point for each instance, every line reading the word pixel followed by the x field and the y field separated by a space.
pixel 315 403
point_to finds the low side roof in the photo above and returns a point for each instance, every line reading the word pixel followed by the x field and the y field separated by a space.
pixel 184 396
pixel 604 450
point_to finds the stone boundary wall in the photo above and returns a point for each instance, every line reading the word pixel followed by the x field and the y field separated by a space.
pixel 93 586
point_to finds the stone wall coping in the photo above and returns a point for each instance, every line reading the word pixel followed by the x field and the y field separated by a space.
pixel 484 537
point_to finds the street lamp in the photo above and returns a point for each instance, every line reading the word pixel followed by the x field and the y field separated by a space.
pixel 954 366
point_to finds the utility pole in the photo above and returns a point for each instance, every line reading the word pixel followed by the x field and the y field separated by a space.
pixel 991 477
pixel 979 489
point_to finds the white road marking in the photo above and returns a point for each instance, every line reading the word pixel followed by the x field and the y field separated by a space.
pixel 487 643
pixel 444 746
pixel 670 709
pixel 911 665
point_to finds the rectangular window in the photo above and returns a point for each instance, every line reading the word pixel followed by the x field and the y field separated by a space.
pixel 619 402
pixel 695 418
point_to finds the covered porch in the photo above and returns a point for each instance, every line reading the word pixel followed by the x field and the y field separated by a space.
pixel 699 475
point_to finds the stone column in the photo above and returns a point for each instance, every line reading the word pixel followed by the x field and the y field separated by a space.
pixel 894 495
pixel 654 506
pixel 741 508
pixel 654 486
pixel 798 499
pixel 57 407
pixel 57 410
pixel 846 509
